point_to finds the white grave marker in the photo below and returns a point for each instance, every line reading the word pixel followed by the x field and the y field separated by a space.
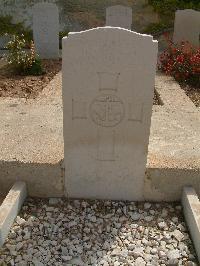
pixel 187 26
pixel 108 87
pixel 119 16
pixel 46 30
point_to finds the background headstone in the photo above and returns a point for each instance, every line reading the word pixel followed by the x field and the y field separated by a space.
pixel 119 16
pixel 187 26
pixel 46 30
pixel 108 87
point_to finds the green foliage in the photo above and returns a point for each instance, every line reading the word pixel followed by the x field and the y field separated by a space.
pixel 61 35
pixel 157 28
pixel 35 69
pixel 168 7
pixel 166 10
pixel 7 27
pixel 21 60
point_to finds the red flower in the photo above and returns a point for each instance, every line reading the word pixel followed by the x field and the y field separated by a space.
pixel 180 58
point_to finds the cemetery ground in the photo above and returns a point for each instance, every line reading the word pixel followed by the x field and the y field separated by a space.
pixel 16 85
pixel 193 93
pixel 32 151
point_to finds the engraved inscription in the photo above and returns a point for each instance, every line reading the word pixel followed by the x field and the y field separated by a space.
pixel 107 110
pixel 106 145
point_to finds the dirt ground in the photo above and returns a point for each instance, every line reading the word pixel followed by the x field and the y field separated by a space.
pixel 18 86
pixel 193 93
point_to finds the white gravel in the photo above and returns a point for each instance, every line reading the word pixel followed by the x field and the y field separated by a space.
pixel 61 232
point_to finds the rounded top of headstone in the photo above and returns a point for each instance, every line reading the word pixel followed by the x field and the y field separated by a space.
pixel 119 6
pixel 187 11
pixel 45 5
pixel 110 30
pixel 119 9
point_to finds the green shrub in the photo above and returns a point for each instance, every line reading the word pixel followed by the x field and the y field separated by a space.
pixel 35 69
pixel 61 35
pixel 7 27
pixel 157 28
pixel 167 8
pixel 21 60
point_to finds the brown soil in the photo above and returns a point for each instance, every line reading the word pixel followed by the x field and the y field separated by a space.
pixel 18 86
pixel 13 85
pixel 193 93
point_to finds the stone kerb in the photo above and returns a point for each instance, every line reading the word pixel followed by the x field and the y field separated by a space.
pixel 46 30
pixel 119 16
pixel 108 84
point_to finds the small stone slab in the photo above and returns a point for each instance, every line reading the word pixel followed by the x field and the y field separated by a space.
pixel 191 208
pixel 46 30
pixel 10 208
pixel 187 26
pixel 119 16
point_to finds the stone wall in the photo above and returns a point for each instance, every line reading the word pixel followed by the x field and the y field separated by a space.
pixel 76 15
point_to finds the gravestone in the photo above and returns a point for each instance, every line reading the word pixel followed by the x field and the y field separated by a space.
pixel 187 26
pixel 46 30
pixel 119 16
pixel 108 87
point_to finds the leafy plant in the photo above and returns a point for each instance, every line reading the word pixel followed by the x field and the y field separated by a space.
pixel 166 10
pixel 61 35
pixel 182 61
pixel 168 7
pixel 21 60
pixel 157 28
pixel 7 27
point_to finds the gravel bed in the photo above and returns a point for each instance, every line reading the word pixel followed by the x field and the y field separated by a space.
pixel 62 232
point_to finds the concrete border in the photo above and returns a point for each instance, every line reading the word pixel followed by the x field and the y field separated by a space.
pixel 191 208
pixel 10 208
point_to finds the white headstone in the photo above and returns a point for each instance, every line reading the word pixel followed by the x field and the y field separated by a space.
pixel 187 26
pixel 46 30
pixel 119 16
pixel 108 87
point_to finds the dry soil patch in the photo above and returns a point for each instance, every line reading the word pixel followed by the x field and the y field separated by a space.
pixel 18 86
pixel 192 93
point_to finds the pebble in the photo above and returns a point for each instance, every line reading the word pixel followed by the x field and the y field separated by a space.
pixel 135 216
pixel 140 262
pixel 148 218
pixel 173 254
pixel 178 235
pixel 66 258
pixel 54 201
pixel 79 232
pixel 162 225
pixel 147 205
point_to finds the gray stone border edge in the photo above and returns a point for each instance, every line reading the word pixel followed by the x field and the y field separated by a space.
pixel 10 208
pixel 191 209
